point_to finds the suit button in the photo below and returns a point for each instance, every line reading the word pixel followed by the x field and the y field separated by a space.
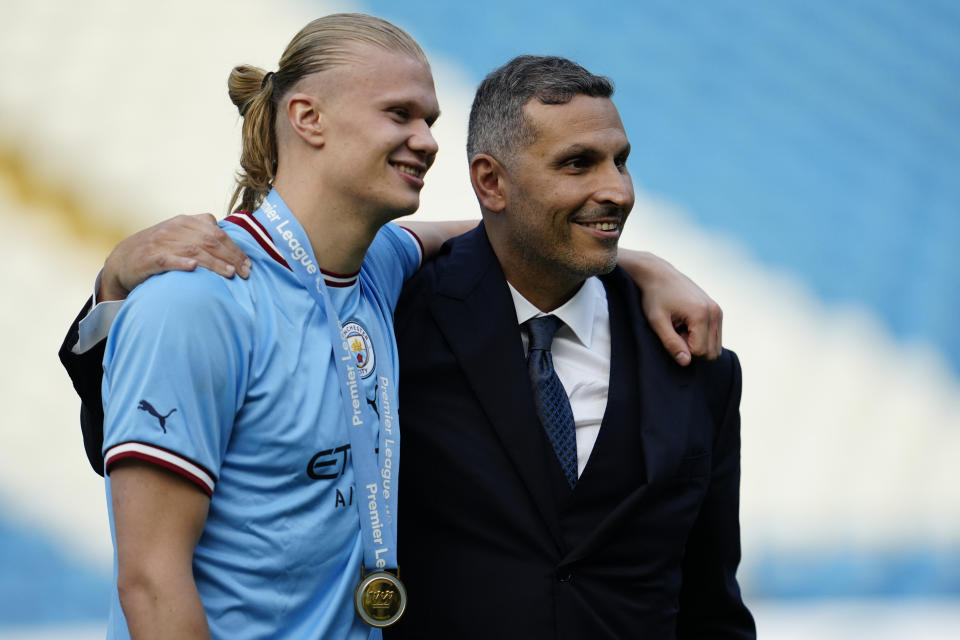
pixel 564 575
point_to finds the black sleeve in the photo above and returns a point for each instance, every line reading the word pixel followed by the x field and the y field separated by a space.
pixel 86 373
pixel 711 605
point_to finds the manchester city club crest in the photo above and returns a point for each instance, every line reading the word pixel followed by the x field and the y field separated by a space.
pixel 361 348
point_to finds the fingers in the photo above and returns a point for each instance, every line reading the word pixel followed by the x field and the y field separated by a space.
pixel 198 237
pixel 162 263
pixel 185 242
pixel 181 243
pixel 206 218
pixel 714 346
pixel 672 341
pixel 717 324
pixel 685 318
pixel 704 331
pixel 225 253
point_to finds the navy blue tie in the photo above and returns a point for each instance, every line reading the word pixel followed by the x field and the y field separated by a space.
pixel 549 396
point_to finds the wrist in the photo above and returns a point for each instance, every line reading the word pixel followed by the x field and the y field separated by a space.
pixel 642 266
pixel 109 286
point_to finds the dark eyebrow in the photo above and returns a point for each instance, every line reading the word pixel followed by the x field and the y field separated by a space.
pixel 579 149
pixel 575 151
pixel 412 106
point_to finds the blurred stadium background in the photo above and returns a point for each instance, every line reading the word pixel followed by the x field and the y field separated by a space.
pixel 800 160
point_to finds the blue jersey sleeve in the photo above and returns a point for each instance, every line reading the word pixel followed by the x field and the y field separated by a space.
pixel 394 255
pixel 174 374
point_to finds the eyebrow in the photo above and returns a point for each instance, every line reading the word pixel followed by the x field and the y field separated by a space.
pixel 413 106
pixel 578 149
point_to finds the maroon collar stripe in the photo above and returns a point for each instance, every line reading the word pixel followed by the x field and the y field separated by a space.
pixel 339 279
pixel 252 226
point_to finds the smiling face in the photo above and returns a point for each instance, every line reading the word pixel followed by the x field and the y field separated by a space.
pixel 377 112
pixel 567 196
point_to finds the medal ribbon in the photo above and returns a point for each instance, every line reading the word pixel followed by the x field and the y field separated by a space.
pixel 377 505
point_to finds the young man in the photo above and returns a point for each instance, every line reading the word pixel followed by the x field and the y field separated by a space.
pixel 239 413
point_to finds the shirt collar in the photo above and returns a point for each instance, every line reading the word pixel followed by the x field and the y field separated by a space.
pixel 577 313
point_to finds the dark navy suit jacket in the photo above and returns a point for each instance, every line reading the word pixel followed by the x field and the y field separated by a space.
pixel 493 543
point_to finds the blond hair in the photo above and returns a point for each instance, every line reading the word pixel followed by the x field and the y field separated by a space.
pixel 321 44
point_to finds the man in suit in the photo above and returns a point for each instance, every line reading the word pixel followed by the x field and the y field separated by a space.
pixel 503 535
pixel 633 531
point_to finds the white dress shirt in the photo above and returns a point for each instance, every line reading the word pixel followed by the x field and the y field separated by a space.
pixel 95 326
pixel 581 357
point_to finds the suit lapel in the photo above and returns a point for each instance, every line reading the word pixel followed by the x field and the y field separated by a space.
pixel 475 313
pixel 616 462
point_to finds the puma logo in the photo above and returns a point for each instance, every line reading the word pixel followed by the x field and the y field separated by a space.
pixel 373 402
pixel 146 406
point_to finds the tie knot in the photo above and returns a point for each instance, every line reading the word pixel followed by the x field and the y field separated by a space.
pixel 542 330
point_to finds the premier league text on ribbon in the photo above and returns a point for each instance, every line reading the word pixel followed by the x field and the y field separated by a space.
pixel 373 455
pixel 355 419
pixel 386 471
pixel 297 252
pixel 376 526
pixel 386 423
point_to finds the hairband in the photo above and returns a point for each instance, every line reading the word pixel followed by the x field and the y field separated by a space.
pixel 266 77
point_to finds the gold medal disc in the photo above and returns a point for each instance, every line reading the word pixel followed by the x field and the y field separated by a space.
pixel 380 599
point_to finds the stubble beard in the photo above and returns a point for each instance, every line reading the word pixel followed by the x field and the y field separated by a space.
pixel 560 258
pixel 555 256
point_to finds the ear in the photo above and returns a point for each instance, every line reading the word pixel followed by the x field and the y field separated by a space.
pixel 487 176
pixel 306 118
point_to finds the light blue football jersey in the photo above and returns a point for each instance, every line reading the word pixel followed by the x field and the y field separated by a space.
pixel 232 385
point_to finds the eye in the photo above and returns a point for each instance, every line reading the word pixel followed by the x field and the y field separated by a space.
pixel 401 114
pixel 577 163
pixel 621 159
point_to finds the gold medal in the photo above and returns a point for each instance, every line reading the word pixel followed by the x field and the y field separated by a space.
pixel 380 599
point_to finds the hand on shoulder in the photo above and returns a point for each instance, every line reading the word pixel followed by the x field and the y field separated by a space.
pixel 181 243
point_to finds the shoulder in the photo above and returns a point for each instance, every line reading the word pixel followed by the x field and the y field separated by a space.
pixel 392 258
pixel 726 368
pixel 720 380
pixel 200 303
pixel 394 246
pixel 460 265
pixel 178 327
pixel 183 290
pixel 722 371
pixel 397 236
pixel 204 292
pixel 253 239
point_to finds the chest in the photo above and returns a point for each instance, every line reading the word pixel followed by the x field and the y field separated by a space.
pixel 302 390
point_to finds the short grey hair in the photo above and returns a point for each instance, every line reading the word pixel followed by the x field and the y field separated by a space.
pixel 498 126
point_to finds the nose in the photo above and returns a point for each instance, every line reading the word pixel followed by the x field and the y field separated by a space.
pixel 423 142
pixel 615 187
